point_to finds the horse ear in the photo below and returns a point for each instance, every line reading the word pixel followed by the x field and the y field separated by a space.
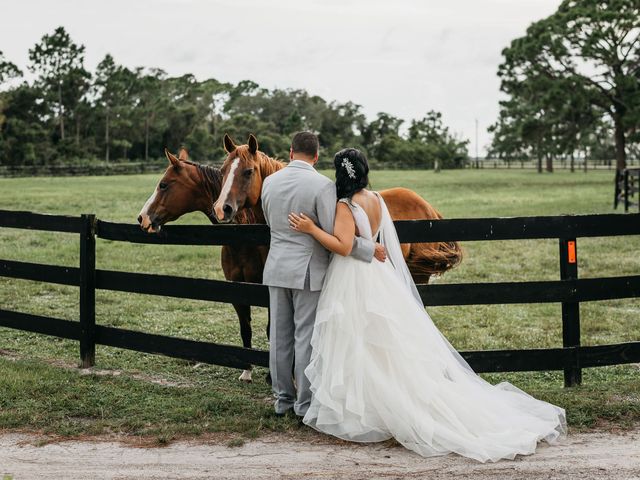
pixel 229 146
pixel 253 144
pixel 183 154
pixel 175 161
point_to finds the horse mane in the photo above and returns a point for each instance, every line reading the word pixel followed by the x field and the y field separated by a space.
pixel 211 175
pixel 269 165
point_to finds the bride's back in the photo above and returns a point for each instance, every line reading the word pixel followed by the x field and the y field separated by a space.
pixel 370 203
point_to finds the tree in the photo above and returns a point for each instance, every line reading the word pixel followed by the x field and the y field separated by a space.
pixel 507 143
pixel 107 88
pixel 24 138
pixel 114 90
pixel 384 125
pixel 590 48
pixel 59 63
pixel 573 121
pixel 150 100
pixel 340 126
pixel 447 150
pixel 598 142
pixel 8 70
pixel 75 89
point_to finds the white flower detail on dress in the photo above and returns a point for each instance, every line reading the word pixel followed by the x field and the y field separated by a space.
pixel 348 166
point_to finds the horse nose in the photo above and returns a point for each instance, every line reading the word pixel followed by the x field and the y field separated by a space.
pixel 139 218
pixel 227 209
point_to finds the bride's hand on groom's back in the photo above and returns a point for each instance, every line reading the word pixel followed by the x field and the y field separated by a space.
pixel 301 223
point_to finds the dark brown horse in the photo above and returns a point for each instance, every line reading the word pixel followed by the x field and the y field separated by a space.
pixel 246 167
pixel 189 187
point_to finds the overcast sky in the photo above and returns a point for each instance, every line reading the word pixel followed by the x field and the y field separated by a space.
pixel 403 57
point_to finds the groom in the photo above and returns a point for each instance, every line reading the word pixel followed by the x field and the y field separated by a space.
pixel 296 266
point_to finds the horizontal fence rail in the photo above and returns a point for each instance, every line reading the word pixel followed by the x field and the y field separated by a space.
pixel 482 361
pixel 183 287
pixel 517 228
pixel 492 293
pixel 38 324
pixel 39 221
pixel 40 273
pixel 463 229
pixel 185 234
pixel 553 291
pixel 570 290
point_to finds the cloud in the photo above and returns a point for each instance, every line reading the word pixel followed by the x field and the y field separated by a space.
pixel 403 57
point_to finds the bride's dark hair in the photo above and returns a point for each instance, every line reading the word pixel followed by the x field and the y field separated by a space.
pixel 352 172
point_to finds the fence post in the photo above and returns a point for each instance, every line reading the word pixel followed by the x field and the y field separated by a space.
pixel 626 190
pixel 570 312
pixel 616 191
pixel 87 291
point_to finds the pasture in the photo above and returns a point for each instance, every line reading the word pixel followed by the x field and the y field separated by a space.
pixel 142 394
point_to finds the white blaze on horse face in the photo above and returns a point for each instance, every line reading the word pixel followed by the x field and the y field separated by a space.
pixel 226 188
pixel 144 213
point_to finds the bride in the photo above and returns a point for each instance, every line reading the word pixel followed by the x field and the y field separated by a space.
pixel 380 368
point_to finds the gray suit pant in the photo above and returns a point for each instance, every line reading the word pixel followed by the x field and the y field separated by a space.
pixel 293 315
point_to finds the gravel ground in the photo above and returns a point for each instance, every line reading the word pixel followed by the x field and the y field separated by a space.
pixel 584 456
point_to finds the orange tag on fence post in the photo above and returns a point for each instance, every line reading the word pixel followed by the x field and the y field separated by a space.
pixel 571 251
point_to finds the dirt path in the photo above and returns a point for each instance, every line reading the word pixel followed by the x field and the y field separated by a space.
pixel 582 456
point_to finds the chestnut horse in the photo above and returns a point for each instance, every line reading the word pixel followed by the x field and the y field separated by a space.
pixel 246 167
pixel 189 187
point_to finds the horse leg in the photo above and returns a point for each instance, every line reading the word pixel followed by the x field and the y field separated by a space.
pixel 252 271
pixel 268 322
pixel 268 376
pixel 232 268
pixel 244 317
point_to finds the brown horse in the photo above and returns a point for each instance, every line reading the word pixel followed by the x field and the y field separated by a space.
pixel 189 187
pixel 246 167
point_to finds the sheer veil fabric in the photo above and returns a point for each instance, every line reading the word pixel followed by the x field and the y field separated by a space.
pixel 380 368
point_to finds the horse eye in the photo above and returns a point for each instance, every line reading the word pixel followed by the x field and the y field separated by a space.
pixel 163 186
pixel 248 172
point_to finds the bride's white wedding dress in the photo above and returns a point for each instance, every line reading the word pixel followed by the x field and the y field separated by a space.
pixel 380 369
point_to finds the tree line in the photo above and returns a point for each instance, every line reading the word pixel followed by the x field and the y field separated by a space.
pixel 572 86
pixel 68 114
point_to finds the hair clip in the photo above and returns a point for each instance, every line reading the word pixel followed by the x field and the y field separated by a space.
pixel 348 166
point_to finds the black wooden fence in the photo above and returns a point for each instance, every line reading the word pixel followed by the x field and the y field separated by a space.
pixel 569 290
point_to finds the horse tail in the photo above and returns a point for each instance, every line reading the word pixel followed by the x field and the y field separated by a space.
pixel 427 259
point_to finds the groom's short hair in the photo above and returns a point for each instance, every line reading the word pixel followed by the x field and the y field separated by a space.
pixel 305 143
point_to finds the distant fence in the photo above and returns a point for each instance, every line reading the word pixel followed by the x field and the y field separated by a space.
pixel 155 166
pixel 565 164
pixel 97 168
pixel 570 291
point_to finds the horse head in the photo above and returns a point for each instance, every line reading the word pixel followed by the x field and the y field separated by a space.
pixel 179 191
pixel 242 176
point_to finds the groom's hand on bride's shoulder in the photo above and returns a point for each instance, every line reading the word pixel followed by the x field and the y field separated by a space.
pixel 380 253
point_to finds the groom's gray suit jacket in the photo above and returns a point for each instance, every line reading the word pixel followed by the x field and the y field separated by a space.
pixel 300 188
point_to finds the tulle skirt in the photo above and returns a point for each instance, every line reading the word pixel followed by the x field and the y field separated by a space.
pixel 381 369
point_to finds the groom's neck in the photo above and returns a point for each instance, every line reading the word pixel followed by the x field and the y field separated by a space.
pixel 303 158
pixel 310 162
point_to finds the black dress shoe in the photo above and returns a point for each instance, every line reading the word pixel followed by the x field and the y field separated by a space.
pixel 286 413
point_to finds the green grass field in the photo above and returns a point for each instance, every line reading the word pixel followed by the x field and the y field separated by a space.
pixel 139 394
